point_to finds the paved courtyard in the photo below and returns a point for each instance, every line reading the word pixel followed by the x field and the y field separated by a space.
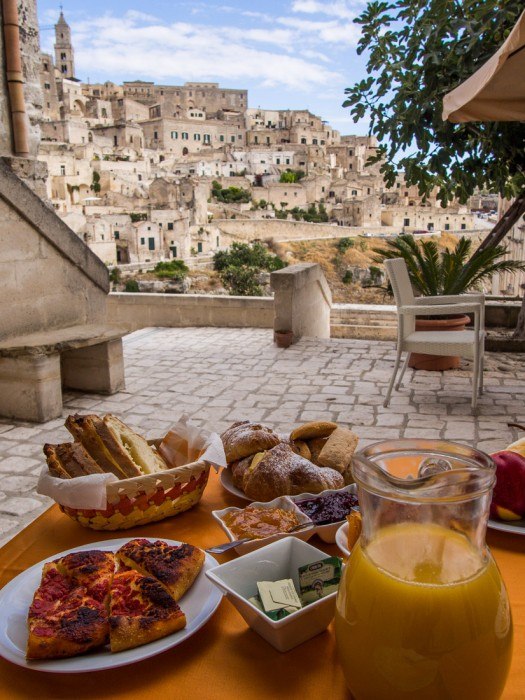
pixel 219 375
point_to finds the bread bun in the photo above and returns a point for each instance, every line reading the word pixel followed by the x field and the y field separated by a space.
pixel 245 438
pixel 338 450
pixel 315 446
pixel 314 429
pixel 281 472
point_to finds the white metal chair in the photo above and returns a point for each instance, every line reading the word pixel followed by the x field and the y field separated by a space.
pixel 466 343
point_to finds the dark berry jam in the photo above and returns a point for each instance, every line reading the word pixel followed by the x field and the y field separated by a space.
pixel 330 508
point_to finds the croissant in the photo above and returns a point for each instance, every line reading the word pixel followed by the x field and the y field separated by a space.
pixel 282 472
pixel 245 438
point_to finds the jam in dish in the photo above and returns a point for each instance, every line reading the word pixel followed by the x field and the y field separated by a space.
pixel 330 508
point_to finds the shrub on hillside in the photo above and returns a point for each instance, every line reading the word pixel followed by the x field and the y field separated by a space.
pixel 173 269
pixel 343 244
pixel 131 286
pixel 239 267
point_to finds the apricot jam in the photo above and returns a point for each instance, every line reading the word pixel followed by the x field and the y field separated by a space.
pixel 257 523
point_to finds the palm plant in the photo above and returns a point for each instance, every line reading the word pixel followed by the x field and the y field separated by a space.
pixel 435 273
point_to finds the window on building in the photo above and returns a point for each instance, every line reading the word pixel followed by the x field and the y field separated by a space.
pixel 354 193
pixel 239 137
pixel 142 241
pixel 303 140
pixel 207 138
pixel 155 135
pixel 314 141
pixel 62 169
pixel 278 161
pixel 64 69
pixel 406 222
pixel 116 235
pixel 199 247
pixel 63 56
pixel 322 142
pixel 170 225
pixel 322 189
pixel 115 140
pixel 463 227
pixel 447 227
pixel 287 161
pixel 184 136
pixel 217 241
pixel 46 67
pixel 174 135
pixel 139 176
pixel 256 139
pixel 104 112
pixel 232 139
pixel 350 151
pixel 151 244
pixel 47 86
pixel 173 249
pixel 196 137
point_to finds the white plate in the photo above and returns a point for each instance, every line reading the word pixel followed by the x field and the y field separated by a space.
pixel 226 481
pixel 198 605
pixel 515 526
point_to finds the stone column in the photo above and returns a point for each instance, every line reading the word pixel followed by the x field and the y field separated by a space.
pixel 302 301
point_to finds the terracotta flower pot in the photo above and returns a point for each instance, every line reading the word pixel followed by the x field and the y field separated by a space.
pixel 283 339
pixel 437 363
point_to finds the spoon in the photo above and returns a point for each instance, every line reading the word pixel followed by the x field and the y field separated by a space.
pixel 220 548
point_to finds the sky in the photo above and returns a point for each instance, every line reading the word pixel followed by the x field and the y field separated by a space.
pixel 288 54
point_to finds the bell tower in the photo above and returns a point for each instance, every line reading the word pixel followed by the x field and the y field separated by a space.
pixel 64 54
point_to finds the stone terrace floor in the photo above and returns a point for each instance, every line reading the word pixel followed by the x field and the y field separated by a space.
pixel 219 375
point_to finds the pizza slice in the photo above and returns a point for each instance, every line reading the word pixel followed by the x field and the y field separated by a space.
pixel 175 567
pixel 63 619
pixel 92 569
pixel 141 611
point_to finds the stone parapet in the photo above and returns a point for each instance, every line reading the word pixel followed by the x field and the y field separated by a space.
pixel 135 311
pixel 302 301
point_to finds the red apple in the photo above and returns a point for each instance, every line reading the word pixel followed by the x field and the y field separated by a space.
pixel 508 499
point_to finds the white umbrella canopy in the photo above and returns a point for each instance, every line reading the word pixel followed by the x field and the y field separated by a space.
pixel 496 91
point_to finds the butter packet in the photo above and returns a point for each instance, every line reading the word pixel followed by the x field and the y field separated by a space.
pixel 319 579
pixel 273 614
pixel 276 595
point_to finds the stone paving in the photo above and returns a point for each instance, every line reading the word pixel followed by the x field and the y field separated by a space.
pixel 219 375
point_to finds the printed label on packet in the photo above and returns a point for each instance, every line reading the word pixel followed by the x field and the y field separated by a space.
pixel 278 595
pixel 319 579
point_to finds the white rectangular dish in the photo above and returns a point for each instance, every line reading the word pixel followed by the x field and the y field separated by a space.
pixel 284 502
pixel 238 579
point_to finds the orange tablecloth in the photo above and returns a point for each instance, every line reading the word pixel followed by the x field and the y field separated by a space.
pixel 225 657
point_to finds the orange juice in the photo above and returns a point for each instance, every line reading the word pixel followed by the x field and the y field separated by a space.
pixel 421 615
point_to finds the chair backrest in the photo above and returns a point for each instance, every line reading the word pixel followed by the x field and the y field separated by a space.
pixel 398 275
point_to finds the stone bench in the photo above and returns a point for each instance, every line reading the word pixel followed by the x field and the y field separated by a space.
pixel 35 367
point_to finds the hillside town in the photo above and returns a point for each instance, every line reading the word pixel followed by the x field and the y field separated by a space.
pixel 146 173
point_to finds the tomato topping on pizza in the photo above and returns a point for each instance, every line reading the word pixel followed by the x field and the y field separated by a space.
pixel 175 567
pixel 141 611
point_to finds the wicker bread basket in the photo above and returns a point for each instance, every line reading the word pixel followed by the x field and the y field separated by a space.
pixel 146 499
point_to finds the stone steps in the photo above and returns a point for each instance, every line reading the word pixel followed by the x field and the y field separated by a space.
pixel 367 322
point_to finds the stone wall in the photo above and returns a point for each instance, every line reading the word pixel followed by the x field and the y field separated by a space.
pixel 134 311
pixel 50 278
pixel 279 230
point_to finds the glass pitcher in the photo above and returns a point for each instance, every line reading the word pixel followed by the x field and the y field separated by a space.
pixel 422 611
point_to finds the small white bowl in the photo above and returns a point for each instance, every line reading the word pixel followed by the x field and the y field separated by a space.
pixel 341 539
pixel 283 502
pixel 326 532
pixel 238 579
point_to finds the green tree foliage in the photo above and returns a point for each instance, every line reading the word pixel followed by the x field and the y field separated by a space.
pixel 313 214
pixel 417 51
pixel 95 184
pixel 292 176
pixel 433 272
pixel 239 267
pixel 172 269
pixel 343 244
pixel 229 195
pixel 348 277
pixel 131 286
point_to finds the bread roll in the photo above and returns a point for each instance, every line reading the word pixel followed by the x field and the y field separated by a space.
pixel 245 438
pixel 239 469
pixel 281 472
pixel 314 429
pixel 338 450
pixel 69 460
